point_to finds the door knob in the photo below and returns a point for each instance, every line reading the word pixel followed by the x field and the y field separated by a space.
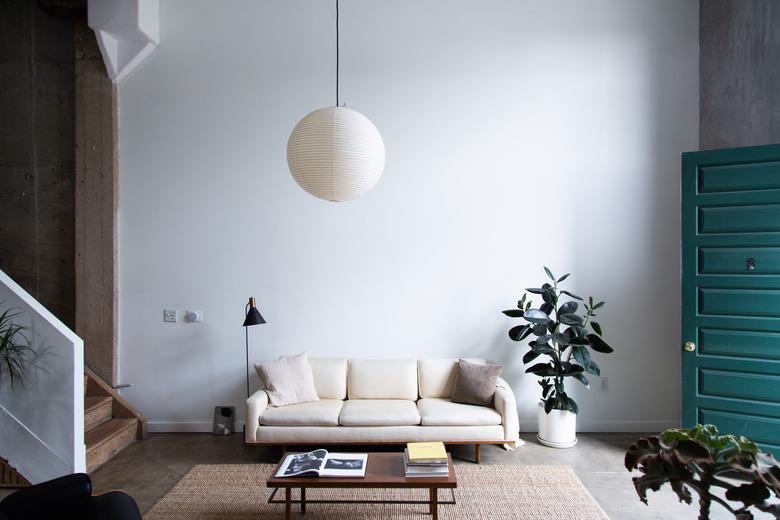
pixel 689 346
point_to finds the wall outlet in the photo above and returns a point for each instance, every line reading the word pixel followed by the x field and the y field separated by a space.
pixel 604 383
pixel 170 316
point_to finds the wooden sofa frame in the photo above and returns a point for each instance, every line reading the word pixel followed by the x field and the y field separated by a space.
pixel 284 446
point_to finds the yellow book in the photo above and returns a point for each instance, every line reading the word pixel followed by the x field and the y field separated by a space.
pixel 426 451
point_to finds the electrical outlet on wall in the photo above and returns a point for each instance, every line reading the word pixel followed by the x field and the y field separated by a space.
pixel 604 383
pixel 170 316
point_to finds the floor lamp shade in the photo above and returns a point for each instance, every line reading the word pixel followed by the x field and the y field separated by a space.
pixel 336 154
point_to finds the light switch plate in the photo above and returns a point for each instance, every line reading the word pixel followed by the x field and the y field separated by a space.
pixel 170 316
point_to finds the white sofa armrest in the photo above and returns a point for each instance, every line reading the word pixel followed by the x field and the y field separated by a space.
pixel 255 406
pixel 505 404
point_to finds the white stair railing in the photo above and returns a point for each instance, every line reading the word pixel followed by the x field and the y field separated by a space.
pixel 42 418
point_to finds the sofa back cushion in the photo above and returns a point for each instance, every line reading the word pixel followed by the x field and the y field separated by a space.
pixel 437 376
pixel 330 377
pixel 382 379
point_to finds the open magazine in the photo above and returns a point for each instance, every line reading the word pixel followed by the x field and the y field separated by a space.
pixel 323 464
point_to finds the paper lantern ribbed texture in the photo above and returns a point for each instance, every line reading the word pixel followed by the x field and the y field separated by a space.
pixel 336 154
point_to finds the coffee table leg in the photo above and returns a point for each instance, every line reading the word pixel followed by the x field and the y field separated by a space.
pixel 303 501
pixel 287 503
pixel 434 504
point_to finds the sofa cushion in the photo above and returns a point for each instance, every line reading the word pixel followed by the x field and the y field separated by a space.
pixel 379 412
pixel 330 377
pixel 443 412
pixel 475 383
pixel 288 380
pixel 436 377
pixel 324 412
pixel 382 379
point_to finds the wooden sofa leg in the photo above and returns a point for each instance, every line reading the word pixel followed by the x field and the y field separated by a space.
pixel 477 454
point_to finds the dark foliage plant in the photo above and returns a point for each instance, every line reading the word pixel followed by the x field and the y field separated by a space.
pixel 562 334
pixel 699 459
pixel 15 351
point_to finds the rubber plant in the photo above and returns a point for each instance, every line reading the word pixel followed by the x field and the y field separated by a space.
pixel 15 350
pixel 699 459
pixel 564 335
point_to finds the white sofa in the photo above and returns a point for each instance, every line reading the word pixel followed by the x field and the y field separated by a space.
pixel 367 401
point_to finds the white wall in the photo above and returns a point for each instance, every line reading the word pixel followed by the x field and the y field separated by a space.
pixel 518 134
pixel 42 418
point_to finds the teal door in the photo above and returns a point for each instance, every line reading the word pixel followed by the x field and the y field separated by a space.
pixel 731 292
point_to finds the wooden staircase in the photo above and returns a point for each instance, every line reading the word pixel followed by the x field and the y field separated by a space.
pixel 110 422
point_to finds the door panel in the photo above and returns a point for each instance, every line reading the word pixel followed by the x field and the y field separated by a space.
pixel 738 177
pixel 731 260
pixel 731 291
pixel 741 343
pixel 740 302
pixel 739 219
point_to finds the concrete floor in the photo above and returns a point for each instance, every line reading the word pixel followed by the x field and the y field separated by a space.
pixel 147 470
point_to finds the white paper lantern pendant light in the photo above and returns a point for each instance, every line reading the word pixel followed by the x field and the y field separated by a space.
pixel 335 153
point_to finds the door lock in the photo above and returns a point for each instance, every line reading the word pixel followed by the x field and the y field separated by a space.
pixel 750 263
pixel 689 346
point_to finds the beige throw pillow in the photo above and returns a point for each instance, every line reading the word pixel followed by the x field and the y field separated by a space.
pixel 474 383
pixel 288 380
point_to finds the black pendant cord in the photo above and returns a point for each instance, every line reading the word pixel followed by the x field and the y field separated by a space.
pixel 337 53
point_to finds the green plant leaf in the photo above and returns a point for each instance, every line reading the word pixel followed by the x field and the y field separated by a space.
pixel 535 316
pixel 570 319
pixel 582 379
pixel 549 274
pixel 530 356
pixel 596 327
pixel 540 329
pixel 568 308
pixel 548 405
pixel 599 345
pixel 514 313
pixel 593 368
pixel 582 355
pixel 547 308
pixel 599 305
pixel 516 333
pixel 572 295
pixel 541 369
pixel 535 290
pixel 562 278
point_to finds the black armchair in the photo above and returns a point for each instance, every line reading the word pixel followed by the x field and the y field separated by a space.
pixel 68 497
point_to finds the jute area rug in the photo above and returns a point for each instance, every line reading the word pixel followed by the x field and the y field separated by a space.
pixel 237 491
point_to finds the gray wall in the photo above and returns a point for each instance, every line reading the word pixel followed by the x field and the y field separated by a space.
pixel 36 154
pixel 739 73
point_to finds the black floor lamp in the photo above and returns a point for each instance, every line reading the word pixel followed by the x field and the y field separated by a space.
pixel 253 317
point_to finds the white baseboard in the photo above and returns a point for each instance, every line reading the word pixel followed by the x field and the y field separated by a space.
pixel 615 426
pixel 582 426
pixel 186 426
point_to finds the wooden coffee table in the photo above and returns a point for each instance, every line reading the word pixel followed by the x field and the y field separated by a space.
pixel 383 470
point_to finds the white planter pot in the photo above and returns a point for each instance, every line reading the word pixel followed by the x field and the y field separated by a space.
pixel 558 429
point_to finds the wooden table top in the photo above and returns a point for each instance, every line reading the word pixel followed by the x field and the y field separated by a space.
pixel 383 470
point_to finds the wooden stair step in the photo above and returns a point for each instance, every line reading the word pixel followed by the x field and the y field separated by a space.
pixel 108 439
pixel 97 410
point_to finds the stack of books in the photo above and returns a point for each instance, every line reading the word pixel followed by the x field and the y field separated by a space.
pixel 425 459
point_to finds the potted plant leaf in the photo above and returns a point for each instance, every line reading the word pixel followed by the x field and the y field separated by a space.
pixel 565 336
pixel 699 459
pixel 15 350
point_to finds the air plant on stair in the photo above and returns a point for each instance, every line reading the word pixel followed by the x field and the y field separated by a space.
pixel 15 350
pixel 700 460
